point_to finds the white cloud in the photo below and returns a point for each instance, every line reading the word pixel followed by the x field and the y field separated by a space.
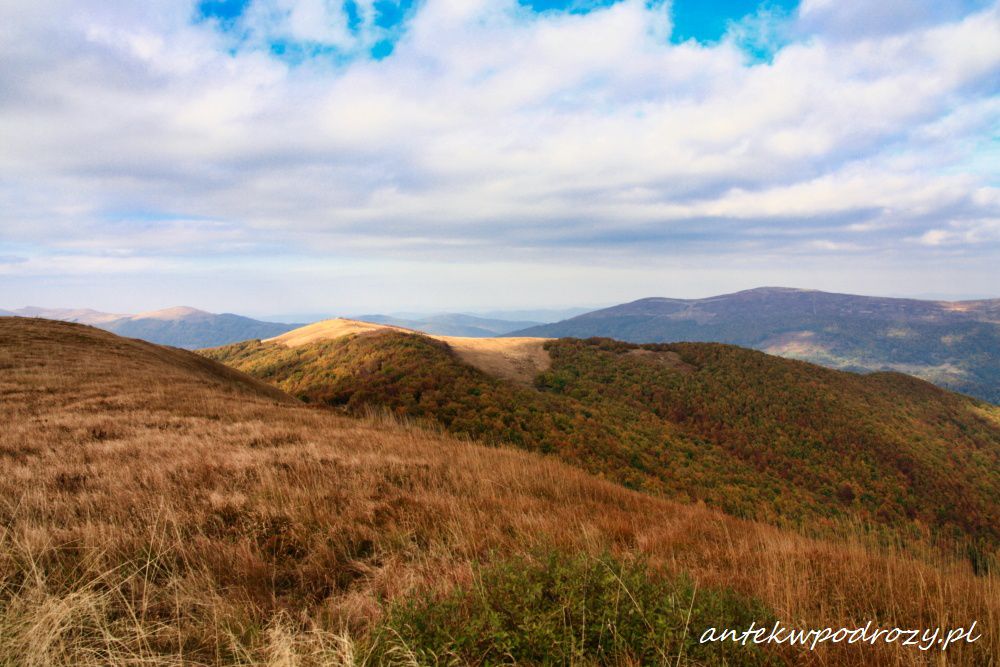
pixel 318 21
pixel 857 19
pixel 972 232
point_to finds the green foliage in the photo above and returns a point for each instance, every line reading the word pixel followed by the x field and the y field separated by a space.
pixel 570 610
pixel 755 435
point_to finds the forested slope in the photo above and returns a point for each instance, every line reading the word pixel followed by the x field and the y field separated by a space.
pixel 756 435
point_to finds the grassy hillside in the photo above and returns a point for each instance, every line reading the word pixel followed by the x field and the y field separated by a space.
pixel 159 509
pixel 952 344
pixel 755 435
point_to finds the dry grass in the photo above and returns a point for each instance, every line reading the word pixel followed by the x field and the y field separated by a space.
pixel 328 330
pixel 156 508
pixel 517 359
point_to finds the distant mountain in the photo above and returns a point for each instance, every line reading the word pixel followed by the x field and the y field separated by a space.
pixel 453 324
pixel 955 344
pixel 190 328
pixel 181 326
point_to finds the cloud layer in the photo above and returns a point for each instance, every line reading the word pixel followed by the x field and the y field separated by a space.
pixel 145 138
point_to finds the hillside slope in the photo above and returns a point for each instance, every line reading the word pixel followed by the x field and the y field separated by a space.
pixel 953 344
pixel 161 510
pixel 99 362
pixel 756 435
pixel 517 359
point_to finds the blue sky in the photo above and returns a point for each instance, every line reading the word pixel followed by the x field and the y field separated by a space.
pixel 693 19
pixel 705 22
pixel 262 156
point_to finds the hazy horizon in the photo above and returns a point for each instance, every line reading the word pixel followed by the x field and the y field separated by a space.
pixel 483 311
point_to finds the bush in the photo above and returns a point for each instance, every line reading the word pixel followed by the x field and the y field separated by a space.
pixel 568 610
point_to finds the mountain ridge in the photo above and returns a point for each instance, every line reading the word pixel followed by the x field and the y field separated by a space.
pixel 757 435
pixel 985 308
pixel 517 359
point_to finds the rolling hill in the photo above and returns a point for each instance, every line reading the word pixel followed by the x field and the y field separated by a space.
pixel 162 509
pixel 755 435
pixel 955 345
pixel 181 326
pixel 515 359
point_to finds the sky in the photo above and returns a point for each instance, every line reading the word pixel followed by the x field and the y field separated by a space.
pixel 281 156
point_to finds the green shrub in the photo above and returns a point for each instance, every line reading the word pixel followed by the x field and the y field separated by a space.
pixel 568 610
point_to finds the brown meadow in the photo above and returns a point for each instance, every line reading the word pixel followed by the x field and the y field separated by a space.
pixel 157 508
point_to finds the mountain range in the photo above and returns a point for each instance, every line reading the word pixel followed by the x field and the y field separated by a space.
pixel 954 344
pixel 183 327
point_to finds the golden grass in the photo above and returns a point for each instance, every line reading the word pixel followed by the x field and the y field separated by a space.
pixel 329 330
pixel 517 359
pixel 159 509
